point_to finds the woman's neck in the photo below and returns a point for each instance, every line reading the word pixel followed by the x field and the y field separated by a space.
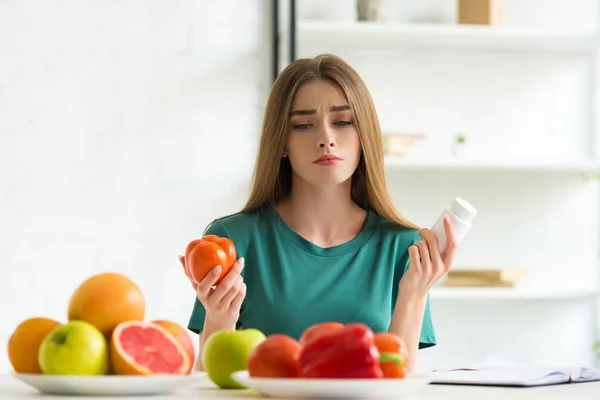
pixel 324 216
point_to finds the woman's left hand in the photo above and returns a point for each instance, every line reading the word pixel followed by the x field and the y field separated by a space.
pixel 427 264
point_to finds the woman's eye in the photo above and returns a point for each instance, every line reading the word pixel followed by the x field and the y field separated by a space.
pixel 344 123
pixel 301 126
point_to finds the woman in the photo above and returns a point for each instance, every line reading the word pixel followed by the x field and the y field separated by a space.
pixel 319 238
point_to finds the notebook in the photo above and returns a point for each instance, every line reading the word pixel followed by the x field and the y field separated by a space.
pixel 498 372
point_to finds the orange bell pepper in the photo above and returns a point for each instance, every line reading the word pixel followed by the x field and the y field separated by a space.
pixel 393 355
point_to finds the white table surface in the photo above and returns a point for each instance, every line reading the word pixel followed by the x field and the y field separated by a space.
pixel 11 388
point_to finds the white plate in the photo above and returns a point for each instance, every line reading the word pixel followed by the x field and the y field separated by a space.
pixel 333 388
pixel 113 385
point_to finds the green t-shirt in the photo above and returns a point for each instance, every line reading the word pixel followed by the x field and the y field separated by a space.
pixel 293 283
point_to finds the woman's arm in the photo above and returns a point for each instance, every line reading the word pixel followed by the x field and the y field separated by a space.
pixel 210 327
pixel 407 320
pixel 426 267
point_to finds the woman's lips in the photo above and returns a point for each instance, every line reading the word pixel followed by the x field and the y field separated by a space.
pixel 328 160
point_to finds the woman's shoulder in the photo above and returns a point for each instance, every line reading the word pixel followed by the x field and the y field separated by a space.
pixel 396 232
pixel 239 220
pixel 240 227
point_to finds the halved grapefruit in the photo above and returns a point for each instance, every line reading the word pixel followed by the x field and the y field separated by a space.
pixel 146 348
pixel 180 334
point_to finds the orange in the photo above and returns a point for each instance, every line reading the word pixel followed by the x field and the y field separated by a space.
pixel 105 300
pixel 25 341
pixel 181 335
pixel 145 348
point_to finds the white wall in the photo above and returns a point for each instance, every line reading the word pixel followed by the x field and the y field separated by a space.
pixel 125 127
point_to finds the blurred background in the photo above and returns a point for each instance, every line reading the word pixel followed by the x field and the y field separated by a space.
pixel 126 127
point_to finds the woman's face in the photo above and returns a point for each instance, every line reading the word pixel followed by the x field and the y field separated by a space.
pixel 323 145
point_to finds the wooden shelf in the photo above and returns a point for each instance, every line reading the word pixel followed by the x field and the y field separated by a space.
pixel 354 34
pixel 460 293
pixel 569 167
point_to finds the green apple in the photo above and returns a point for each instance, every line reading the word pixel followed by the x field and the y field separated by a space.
pixel 75 348
pixel 226 352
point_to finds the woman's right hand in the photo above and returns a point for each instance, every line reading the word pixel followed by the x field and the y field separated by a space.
pixel 222 302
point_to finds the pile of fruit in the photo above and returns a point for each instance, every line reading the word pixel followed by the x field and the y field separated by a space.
pixel 328 350
pixel 105 333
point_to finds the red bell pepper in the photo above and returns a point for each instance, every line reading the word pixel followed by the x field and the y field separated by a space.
pixel 347 352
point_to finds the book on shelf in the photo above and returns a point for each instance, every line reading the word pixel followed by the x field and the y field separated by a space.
pixel 474 282
pixel 507 277
pixel 495 371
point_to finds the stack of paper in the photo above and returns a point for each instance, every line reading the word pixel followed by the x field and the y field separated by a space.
pixel 498 372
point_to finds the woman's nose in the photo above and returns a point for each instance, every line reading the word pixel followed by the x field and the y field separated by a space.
pixel 325 143
pixel 326 139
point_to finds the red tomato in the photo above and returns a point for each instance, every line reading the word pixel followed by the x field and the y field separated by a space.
pixel 387 342
pixel 318 329
pixel 188 250
pixel 202 255
pixel 275 357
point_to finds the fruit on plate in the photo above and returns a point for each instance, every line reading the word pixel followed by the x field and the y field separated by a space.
pixel 317 329
pixel 393 354
pixel 180 334
pixel 105 300
pixel 228 351
pixel 347 352
pixel 275 357
pixel 24 344
pixel 202 255
pixel 146 348
pixel 75 348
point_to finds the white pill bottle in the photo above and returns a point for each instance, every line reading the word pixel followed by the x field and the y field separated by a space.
pixel 461 214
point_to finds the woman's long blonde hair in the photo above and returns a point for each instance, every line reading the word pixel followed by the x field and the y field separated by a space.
pixel 272 178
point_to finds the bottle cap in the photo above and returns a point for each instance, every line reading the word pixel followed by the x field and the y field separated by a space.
pixel 463 209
